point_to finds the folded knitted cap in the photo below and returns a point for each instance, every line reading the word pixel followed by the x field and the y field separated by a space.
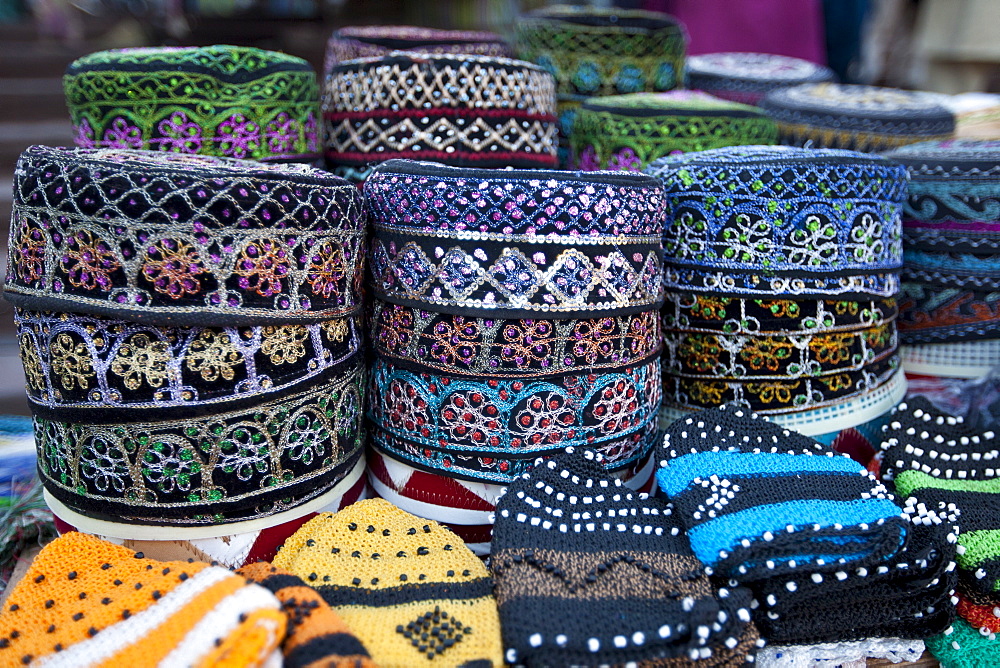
pixel 758 500
pixel 316 635
pixel 982 616
pixel 409 589
pixel 977 506
pixel 84 601
pixel 919 436
pixel 589 573
pixel 907 596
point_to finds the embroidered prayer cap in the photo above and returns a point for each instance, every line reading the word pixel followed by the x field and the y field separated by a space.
pixel 254 464
pixel 86 602
pixel 521 349
pixel 936 314
pixel 596 51
pixel 176 239
pixel 977 506
pixel 777 220
pixel 954 201
pixel 978 272
pixel 408 588
pixel 921 437
pixel 961 646
pixel 627 132
pixel 367 41
pixel 316 636
pixel 747 77
pixel 860 118
pixel 515 244
pixel 491 430
pixel 464 506
pixel 79 366
pixel 590 573
pixel 466 110
pixel 221 100
pixel 759 501
pixel 907 596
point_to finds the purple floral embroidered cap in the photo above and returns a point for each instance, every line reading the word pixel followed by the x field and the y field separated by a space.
pixel 171 239
pixel 515 243
pixel 229 101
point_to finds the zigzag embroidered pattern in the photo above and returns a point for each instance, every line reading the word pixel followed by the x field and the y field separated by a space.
pixel 931 314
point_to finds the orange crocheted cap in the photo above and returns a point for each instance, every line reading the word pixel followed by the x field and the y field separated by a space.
pixel 87 601
pixel 979 616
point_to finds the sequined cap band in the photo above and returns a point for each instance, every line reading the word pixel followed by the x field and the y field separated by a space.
pixel 627 132
pixel 747 77
pixel 80 366
pixel 860 118
pixel 515 244
pixel 217 100
pixel 183 240
pixel 369 41
pixel 213 469
pixel 466 110
pixel 754 220
pixel 493 430
pixel 523 349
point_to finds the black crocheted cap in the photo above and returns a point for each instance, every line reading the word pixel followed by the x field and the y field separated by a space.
pixel 919 436
pixel 758 500
pixel 908 596
pixel 747 77
pixel 588 572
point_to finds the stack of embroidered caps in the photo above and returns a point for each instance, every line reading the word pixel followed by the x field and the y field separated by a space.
pixel 627 132
pixel 829 555
pixel 859 118
pixel 228 101
pixel 948 467
pixel 188 328
pixel 515 314
pixel 589 573
pixel 368 41
pixel 594 52
pixel 466 110
pixel 950 306
pixel 781 276
pixel 747 77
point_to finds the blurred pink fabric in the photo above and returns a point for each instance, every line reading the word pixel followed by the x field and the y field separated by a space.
pixel 784 27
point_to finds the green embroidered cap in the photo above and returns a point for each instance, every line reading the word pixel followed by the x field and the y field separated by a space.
pixel 627 132
pixel 230 101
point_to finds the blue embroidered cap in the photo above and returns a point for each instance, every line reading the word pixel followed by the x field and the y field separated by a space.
pixel 515 243
pixel 763 220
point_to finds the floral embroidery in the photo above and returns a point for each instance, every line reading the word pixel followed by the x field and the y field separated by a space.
pixel 170 466
pixel 121 134
pixel 30 258
pixel 71 362
pixel 336 330
pixel 832 348
pixel 83 135
pixel 282 133
pixel 776 392
pixel 213 356
pixel 239 136
pixel 706 392
pixel 593 339
pixel 140 359
pixel 326 269
pixel 701 352
pixel 625 160
pixel 88 261
pixel 284 344
pixel 33 372
pixel 180 134
pixel 766 352
pixel 105 462
pixel 261 266
pixel 171 266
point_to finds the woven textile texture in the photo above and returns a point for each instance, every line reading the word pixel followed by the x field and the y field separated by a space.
pixel 367 41
pixel 627 132
pixel 932 314
pixel 961 646
pixel 589 573
pixel 408 588
pixel 182 240
pixel 464 110
pixel 747 77
pixel 85 602
pixel 859 118
pixel 759 502
pixel 229 101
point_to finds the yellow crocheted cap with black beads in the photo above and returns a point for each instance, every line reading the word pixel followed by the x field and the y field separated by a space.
pixel 87 602
pixel 408 588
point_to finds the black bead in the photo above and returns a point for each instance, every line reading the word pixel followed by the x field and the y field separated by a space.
pixel 78 616
pixel 72 575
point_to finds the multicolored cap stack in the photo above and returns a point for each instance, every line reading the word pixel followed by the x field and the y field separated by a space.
pixel 747 77
pixel 229 101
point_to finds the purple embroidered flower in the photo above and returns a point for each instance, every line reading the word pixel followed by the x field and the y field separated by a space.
pixel 625 160
pixel 238 136
pixel 123 135
pixel 282 134
pixel 588 160
pixel 84 135
pixel 311 132
pixel 179 134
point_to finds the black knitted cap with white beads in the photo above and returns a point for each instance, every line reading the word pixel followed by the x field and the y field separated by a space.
pixel 590 573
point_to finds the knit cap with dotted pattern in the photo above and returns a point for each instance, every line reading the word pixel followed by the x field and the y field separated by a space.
pixel 316 635
pixel 758 500
pixel 590 573
pixel 408 588
pixel 961 646
pixel 977 504
pixel 918 436
pixel 84 601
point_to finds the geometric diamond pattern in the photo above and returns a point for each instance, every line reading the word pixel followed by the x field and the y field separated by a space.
pixel 434 632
